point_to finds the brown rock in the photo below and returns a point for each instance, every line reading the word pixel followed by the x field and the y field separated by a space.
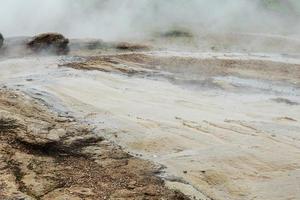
pixel 131 46
pixel 49 43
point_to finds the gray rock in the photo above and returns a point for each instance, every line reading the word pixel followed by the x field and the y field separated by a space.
pixel 1 40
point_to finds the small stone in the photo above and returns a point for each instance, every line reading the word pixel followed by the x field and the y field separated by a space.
pixel 56 134
pixel 131 185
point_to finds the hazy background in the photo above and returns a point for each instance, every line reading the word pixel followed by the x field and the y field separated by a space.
pixel 115 19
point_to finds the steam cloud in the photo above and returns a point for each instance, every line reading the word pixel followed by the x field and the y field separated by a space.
pixel 115 19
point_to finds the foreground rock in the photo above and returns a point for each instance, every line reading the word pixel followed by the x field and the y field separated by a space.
pixel 46 156
pixel 49 43
pixel 1 40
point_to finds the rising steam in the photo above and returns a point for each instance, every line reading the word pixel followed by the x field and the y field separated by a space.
pixel 114 19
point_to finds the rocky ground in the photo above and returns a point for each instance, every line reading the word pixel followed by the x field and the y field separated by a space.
pixel 47 156
pixel 220 115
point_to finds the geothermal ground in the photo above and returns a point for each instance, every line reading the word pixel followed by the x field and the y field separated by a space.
pixel 212 125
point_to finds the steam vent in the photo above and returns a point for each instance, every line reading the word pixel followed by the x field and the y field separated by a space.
pixel 49 43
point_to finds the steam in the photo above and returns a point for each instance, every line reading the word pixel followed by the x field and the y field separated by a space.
pixel 118 19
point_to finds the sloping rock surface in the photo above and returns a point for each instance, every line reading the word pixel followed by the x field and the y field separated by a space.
pixel 46 156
